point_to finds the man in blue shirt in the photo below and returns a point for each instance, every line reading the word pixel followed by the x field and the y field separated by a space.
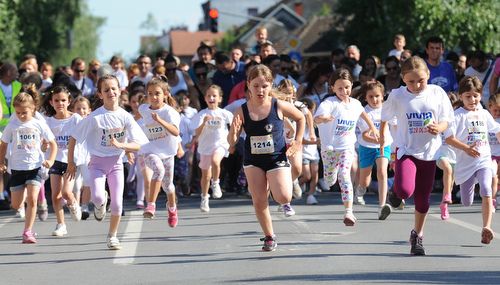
pixel 442 73
pixel 228 74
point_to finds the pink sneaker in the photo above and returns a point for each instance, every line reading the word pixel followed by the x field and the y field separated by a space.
pixel 149 212
pixel 445 215
pixel 172 218
pixel 447 199
pixel 29 237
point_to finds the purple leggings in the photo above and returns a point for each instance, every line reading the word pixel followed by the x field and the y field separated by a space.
pixel 485 178
pixel 110 167
pixel 415 177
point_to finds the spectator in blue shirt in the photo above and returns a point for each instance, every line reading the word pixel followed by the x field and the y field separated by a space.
pixel 441 72
pixel 227 75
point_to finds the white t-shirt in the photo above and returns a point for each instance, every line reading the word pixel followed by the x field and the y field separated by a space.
pixel 470 71
pixel 494 143
pixel 85 85
pixel 446 150
pixel 395 52
pixel 309 151
pixel 101 125
pixel 413 113
pixel 26 139
pixel 185 131
pixel 144 80
pixel 473 127
pixel 374 115
pixel 122 78
pixel 189 112
pixel 62 132
pixel 339 133
pixel 215 131
pixel 161 141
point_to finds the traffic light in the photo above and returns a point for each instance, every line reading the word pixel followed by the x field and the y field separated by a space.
pixel 213 15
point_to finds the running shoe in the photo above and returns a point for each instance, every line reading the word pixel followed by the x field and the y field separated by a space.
pixel 139 205
pixel 114 243
pixel 349 219
pixel 395 201
pixel 445 214
pixel 447 198
pixel 149 211
pixel 417 247
pixel 43 211
pixel 172 217
pixel 288 210
pixel 29 236
pixel 384 212
pixel 75 211
pixel 311 200
pixel 359 200
pixel 85 214
pixel 20 213
pixel 60 230
pixel 216 191
pixel 204 207
pixel 100 211
pixel 487 236
pixel 270 243
pixel 297 191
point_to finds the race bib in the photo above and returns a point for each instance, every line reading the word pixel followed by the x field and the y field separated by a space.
pixel 27 138
pixel 155 132
pixel 262 144
pixel 108 134
pixel 478 131
pixel 215 123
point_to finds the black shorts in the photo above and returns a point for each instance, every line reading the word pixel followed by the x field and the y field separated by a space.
pixel 58 168
pixel 266 163
pixel 20 178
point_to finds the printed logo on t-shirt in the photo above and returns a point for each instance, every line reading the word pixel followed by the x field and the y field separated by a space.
pixel 27 138
pixel 441 81
pixel 108 134
pixel 418 122
pixel 155 132
pixel 344 127
pixel 62 142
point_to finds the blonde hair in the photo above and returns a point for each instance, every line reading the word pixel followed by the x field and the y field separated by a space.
pixel 412 64
pixel 260 70
pixel 166 89
pixel 28 96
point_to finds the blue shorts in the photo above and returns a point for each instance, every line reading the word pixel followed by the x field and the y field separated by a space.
pixel 20 178
pixel 367 156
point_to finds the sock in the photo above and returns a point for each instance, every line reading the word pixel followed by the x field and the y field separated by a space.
pixel 215 181
pixel 171 209
pixel 152 203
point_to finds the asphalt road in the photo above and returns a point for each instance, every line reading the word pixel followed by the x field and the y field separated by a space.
pixel 223 247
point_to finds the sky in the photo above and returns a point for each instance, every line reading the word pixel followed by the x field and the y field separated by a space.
pixel 121 32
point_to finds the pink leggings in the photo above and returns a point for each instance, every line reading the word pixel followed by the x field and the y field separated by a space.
pixel 110 167
pixel 415 177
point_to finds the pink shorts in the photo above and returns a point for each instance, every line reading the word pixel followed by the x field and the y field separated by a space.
pixel 206 159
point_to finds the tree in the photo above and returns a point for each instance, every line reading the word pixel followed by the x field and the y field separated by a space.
pixel 9 40
pixel 465 24
pixel 53 30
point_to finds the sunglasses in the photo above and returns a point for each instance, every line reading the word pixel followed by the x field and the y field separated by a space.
pixel 79 70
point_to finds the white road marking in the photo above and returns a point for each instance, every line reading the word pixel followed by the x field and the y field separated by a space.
pixel 129 240
pixel 464 225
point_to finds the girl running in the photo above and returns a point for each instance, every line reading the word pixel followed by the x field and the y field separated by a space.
pixel 336 118
pixel 62 122
pixel 161 121
pixel 422 112
pixel 265 163
pixel 473 123
pixel 211 129
pixel 25 135
pixel 109 131
pixel 369 149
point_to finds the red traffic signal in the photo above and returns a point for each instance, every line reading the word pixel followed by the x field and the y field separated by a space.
pixel 213 13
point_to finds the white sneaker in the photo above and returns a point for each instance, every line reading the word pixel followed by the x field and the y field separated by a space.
pixel 20 213
pixel 311 200
pixel 384 212
pixel 288 210
pixel 216 191
pixel 322 184
pixel 100 211
pixel 114 243
pixel 297 191
pixel 204 207
pixel 60 230
pixel 349 219
pixel 359 200
pixel 76 211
